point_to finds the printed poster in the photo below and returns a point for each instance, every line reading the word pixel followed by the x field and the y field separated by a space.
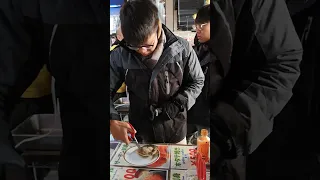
pixel 183 157
pixel 113 148
pixel 186 175
pixel 128 173
pixel 163 161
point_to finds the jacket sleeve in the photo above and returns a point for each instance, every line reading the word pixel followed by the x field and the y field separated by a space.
pixel 193 77
pixel 116 79
pixel 247 114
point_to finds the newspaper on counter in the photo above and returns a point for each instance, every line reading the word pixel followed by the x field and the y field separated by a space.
pixel 183 157
pixel 126 173
pixel 162 162
pixel 185 175
pixel 113 148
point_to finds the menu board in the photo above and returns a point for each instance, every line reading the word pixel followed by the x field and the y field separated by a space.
pixel 113 148
pixel 163 161
pixel 128 173
pixel 174 162
pixel 183 157
pixel 186 175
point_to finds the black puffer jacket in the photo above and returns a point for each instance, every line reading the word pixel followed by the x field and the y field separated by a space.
pixel 265 60
pixel 177 72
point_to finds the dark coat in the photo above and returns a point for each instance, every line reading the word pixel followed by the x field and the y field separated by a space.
pixel 177 71
pixel 291 150
pixel 265 60
pixel 215 61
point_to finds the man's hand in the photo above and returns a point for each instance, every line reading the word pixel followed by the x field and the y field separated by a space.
pixel 176 105
pixel 120 130
pixel 171 110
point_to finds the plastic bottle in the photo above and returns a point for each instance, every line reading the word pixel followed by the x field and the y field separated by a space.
pixel 203 144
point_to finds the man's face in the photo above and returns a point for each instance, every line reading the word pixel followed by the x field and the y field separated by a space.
pixel 203 32
pixel 148 46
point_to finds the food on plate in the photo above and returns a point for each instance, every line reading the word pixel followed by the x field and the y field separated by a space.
pixel 147 150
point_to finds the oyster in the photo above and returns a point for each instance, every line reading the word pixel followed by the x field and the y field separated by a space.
pixel 148 150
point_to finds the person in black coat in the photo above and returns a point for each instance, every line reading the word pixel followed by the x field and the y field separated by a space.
pixel 265 54
pixel 215 70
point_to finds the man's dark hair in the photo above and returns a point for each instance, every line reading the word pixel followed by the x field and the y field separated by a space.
pixel 139 19
pixel 203 15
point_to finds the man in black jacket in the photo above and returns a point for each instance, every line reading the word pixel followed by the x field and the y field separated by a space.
pixel 162 74
pixel 264 68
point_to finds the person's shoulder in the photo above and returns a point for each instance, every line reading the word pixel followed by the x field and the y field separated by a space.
pixel 118 54
pixel 117 49
pixel 183 41
pixel 113 47
pixel 115 53
pixel 186 46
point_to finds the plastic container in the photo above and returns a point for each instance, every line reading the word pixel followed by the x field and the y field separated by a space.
pixel 35 126
pixel 122 105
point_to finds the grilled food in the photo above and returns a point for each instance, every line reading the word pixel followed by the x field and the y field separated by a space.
pixel 148 150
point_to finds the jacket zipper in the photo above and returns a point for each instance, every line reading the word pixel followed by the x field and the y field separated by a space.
pixel 125 79
pixel 166 75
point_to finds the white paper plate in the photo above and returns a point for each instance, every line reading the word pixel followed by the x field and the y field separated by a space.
pixel 132 157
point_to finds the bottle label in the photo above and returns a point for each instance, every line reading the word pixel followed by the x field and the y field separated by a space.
pixel 203 148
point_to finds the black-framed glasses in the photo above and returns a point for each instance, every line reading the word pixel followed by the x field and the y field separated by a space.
pixel 136 48
pixel 200 26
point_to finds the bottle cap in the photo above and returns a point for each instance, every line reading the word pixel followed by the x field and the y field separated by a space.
pixel 204 132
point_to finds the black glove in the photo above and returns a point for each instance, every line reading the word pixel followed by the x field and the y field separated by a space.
pixel 222 137
pixel 176 105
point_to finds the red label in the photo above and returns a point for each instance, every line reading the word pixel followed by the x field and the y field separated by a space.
pixel 130 174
